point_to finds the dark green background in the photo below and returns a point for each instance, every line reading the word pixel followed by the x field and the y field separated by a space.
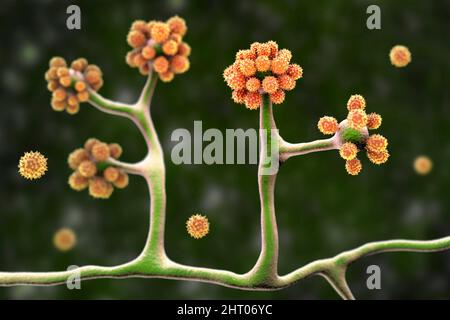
pixel 321 210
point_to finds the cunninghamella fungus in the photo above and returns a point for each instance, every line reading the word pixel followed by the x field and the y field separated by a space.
pixel 259 78
pixel 32 165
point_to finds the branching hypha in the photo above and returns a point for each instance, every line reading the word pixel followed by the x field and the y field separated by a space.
pixel 259 78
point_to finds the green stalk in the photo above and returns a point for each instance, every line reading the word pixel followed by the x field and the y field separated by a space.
pixel 154 174
pixel 288 150
pixel 265 272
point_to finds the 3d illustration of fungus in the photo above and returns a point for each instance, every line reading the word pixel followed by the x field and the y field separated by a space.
pixel 94 167
pixel 352 135
pixel 262 69
pixel 159 46
pixel 64 239
pixel 70 85
pixel 32 165
pixel 259 78
pixel 423 165
pixel 400 56
pixel 197 226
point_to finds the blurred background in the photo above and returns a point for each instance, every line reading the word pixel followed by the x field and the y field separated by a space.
pixel 321 210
